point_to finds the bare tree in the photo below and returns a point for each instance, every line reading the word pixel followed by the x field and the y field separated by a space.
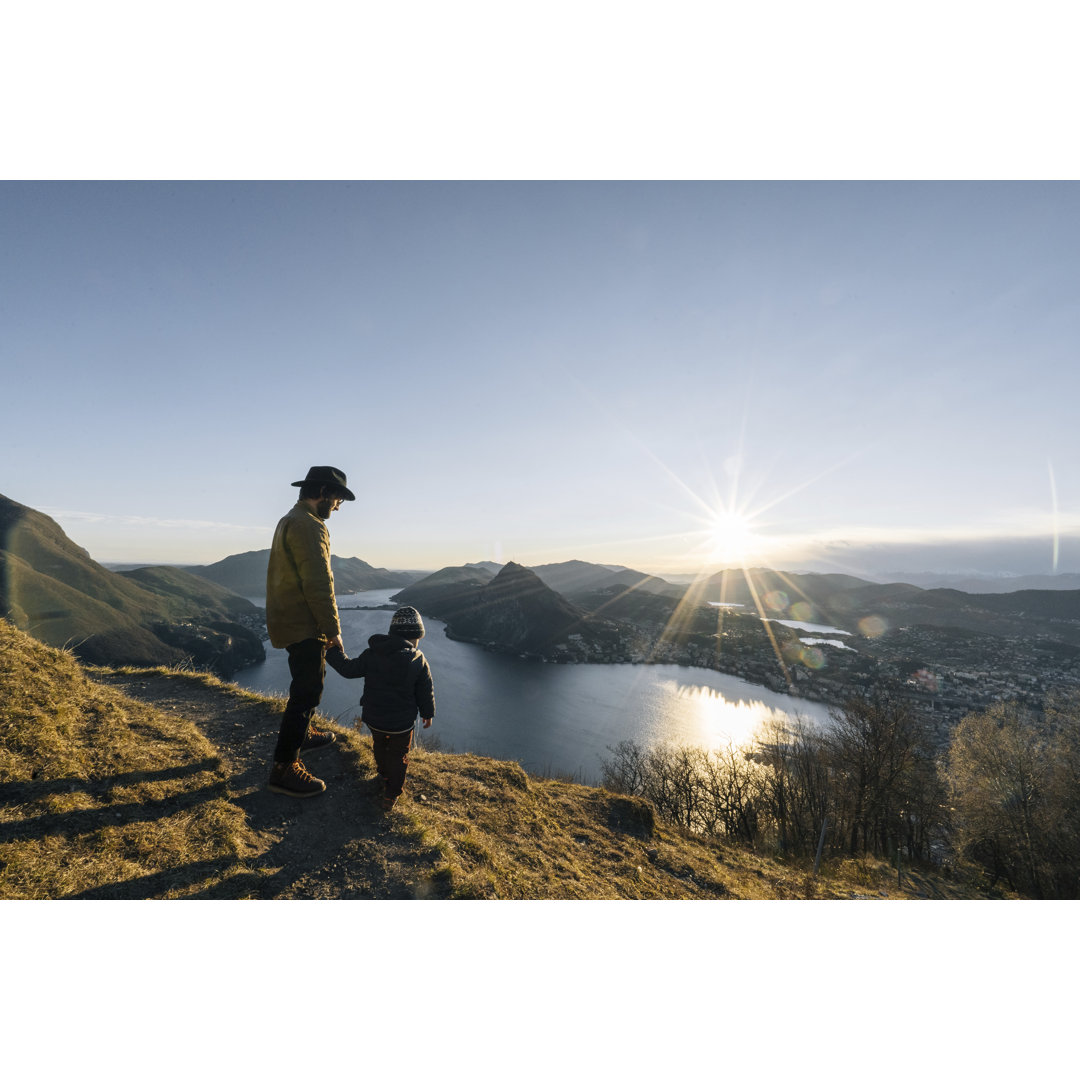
pixel 732 780
pixel 624 771
pixel 1013 775
pixel 871 772
pixel 882 757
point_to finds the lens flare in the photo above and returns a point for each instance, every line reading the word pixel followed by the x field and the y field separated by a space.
pixel 795 652
pixel 872 626
pixel 776 601
pixel 731 537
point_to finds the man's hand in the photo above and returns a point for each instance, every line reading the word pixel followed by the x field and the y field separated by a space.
pixel 426 721
pixel 337 643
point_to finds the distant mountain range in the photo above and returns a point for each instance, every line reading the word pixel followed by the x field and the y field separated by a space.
pixel 53 589
pixel 246 574
pixel 511 611
pixel 153 615
pixel 576 578
pixel 847 602
pixel 494 567
pixel 571 579
pixel 840 600
pixel 999 584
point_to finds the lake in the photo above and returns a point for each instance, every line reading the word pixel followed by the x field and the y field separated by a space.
pixel 556 719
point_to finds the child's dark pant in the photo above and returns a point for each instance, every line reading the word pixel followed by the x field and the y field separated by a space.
pixel 392 759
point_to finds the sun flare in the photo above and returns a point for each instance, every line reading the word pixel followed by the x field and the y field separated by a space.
pixel 732 537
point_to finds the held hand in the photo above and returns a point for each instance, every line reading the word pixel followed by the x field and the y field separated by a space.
pixel 426 721
pixel 337 643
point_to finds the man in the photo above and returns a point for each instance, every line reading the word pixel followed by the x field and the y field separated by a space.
pixel 302 617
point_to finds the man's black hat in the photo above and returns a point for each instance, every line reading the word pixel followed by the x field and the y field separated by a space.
pixel 329 477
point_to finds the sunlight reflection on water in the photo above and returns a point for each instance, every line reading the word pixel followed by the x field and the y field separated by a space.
pixel 711 720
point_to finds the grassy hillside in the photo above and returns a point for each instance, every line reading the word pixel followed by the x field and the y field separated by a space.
pixel 96 789
pixel 50 587
pixel 177 590
pixel 35 540
pixel 150 783
pixel 60 614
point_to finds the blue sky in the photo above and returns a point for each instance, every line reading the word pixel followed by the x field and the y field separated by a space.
pixel 840 372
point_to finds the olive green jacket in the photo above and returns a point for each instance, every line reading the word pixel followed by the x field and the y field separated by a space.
pixel 300 600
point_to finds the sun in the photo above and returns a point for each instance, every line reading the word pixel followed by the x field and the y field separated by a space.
pixel 731 537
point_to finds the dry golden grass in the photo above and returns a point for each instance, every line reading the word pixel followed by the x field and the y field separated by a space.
pixel 500 834
pixel 97 789
pixel 151 783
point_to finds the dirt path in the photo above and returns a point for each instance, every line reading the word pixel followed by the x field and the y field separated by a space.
pixel 338 845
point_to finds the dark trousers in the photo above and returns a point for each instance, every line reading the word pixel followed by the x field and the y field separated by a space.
pixel 307 666
pixel 392 758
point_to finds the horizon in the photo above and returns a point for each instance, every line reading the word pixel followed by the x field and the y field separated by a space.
pixel 673 577
pixel 989 559
pixel 850 376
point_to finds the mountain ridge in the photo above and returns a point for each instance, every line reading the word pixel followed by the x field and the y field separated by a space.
pixel 515 611
pixel 52 588
pixel 840 600
pixel 245 574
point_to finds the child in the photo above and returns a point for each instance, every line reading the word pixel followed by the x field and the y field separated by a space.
pixel 397 684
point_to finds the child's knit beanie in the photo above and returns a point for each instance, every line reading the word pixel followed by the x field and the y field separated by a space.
pixel 406 623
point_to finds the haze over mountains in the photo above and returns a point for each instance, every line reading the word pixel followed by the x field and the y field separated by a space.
pixel 983 584
pixel 844 601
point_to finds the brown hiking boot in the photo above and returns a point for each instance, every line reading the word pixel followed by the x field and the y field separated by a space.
pixel 316 739
pixel 291 778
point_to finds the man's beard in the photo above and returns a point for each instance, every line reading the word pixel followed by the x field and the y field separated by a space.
pixel 324 507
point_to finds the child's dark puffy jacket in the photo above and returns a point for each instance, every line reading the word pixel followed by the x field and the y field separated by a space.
pixel 397 682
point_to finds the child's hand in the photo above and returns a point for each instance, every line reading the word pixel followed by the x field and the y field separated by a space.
pixel 425 721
